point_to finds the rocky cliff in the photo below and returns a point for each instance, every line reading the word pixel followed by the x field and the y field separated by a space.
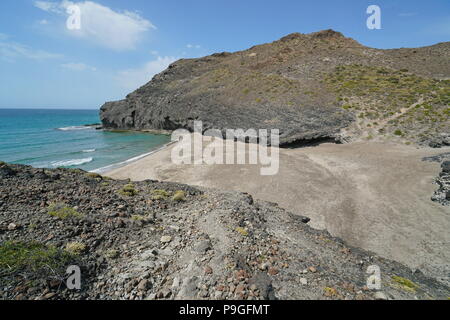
pixel 310 86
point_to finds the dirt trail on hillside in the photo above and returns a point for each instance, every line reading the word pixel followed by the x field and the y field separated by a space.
pixel 373 195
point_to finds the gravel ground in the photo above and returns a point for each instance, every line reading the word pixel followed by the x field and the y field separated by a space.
pixel 155 240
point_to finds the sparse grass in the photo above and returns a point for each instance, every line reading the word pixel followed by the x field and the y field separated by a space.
pixel 32 257
pixel 179 196
pixel 75 248
pixel 330 292
pixel 405 284
pixel 62 211
pixel 242 231
pixel 128 190
pixel 160 194
pixel 93 175
pixel 398 132
pixel 137 217
pixel 112 253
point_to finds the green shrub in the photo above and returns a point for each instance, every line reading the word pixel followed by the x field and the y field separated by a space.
pixel 160 194
pixel 398 132
pixel 179 196
pixel 94 175
pixel 112 253
pixel 75 248
pixel 128 190
pixel 62 211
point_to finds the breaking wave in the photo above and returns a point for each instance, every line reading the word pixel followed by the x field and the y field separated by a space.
pixel 70 163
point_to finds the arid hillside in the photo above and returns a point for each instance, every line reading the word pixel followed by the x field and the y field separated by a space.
pixel 318 86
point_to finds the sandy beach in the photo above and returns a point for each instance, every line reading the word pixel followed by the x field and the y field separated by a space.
pixel 376 196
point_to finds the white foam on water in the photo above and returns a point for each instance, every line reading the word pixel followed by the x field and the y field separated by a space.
pixel 74 128
pixel 72 162
pixel 89 150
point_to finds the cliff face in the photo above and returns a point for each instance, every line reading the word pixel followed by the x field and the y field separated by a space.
pixel 310 86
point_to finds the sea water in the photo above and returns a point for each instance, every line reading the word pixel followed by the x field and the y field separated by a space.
pixel 60 138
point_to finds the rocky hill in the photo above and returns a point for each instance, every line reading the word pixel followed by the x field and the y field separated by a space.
pixel 155 240
pixel 318 86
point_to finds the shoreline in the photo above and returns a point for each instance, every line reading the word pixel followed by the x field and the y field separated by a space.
pixel 118 165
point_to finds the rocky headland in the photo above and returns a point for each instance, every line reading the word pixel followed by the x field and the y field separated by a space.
pixel 312 87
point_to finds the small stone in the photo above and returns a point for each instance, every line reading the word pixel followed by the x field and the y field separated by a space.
pixel 220 288
pixel 380 296
pixel 143 285
pixel 152 296
pixel 166 239
pixel 49 295
pixel 12 226
pixel 203 246
pixel 303 281
pixel 240 289
pixel 54 283
pixel 273 271
pixel 176 283
pixel 312 269
pixel 263 266
pixel 208 270
pixel 241 274
pixel 163 294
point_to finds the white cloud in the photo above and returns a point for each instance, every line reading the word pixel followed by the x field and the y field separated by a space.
pixel 10 51
pixel 132 79
pixel 78 66
pixel 48 6
pixel 43 22
pixel 102 25
pixel 193 46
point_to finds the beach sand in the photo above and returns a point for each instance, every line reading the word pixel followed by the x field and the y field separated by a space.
pixel 376 196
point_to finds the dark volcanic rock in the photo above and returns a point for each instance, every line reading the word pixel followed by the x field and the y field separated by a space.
pixel 277 85
pixel 442 195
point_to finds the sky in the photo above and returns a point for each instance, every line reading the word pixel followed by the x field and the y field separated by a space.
pixel 48 60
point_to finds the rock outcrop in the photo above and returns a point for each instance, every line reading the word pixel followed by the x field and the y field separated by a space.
pixel 309 86
pixel 442 195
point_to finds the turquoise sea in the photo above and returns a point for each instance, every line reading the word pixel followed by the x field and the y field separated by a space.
pixel 59 138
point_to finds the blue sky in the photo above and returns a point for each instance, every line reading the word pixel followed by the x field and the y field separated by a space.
pixel 123 43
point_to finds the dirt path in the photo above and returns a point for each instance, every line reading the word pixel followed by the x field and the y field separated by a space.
pixel 372 195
